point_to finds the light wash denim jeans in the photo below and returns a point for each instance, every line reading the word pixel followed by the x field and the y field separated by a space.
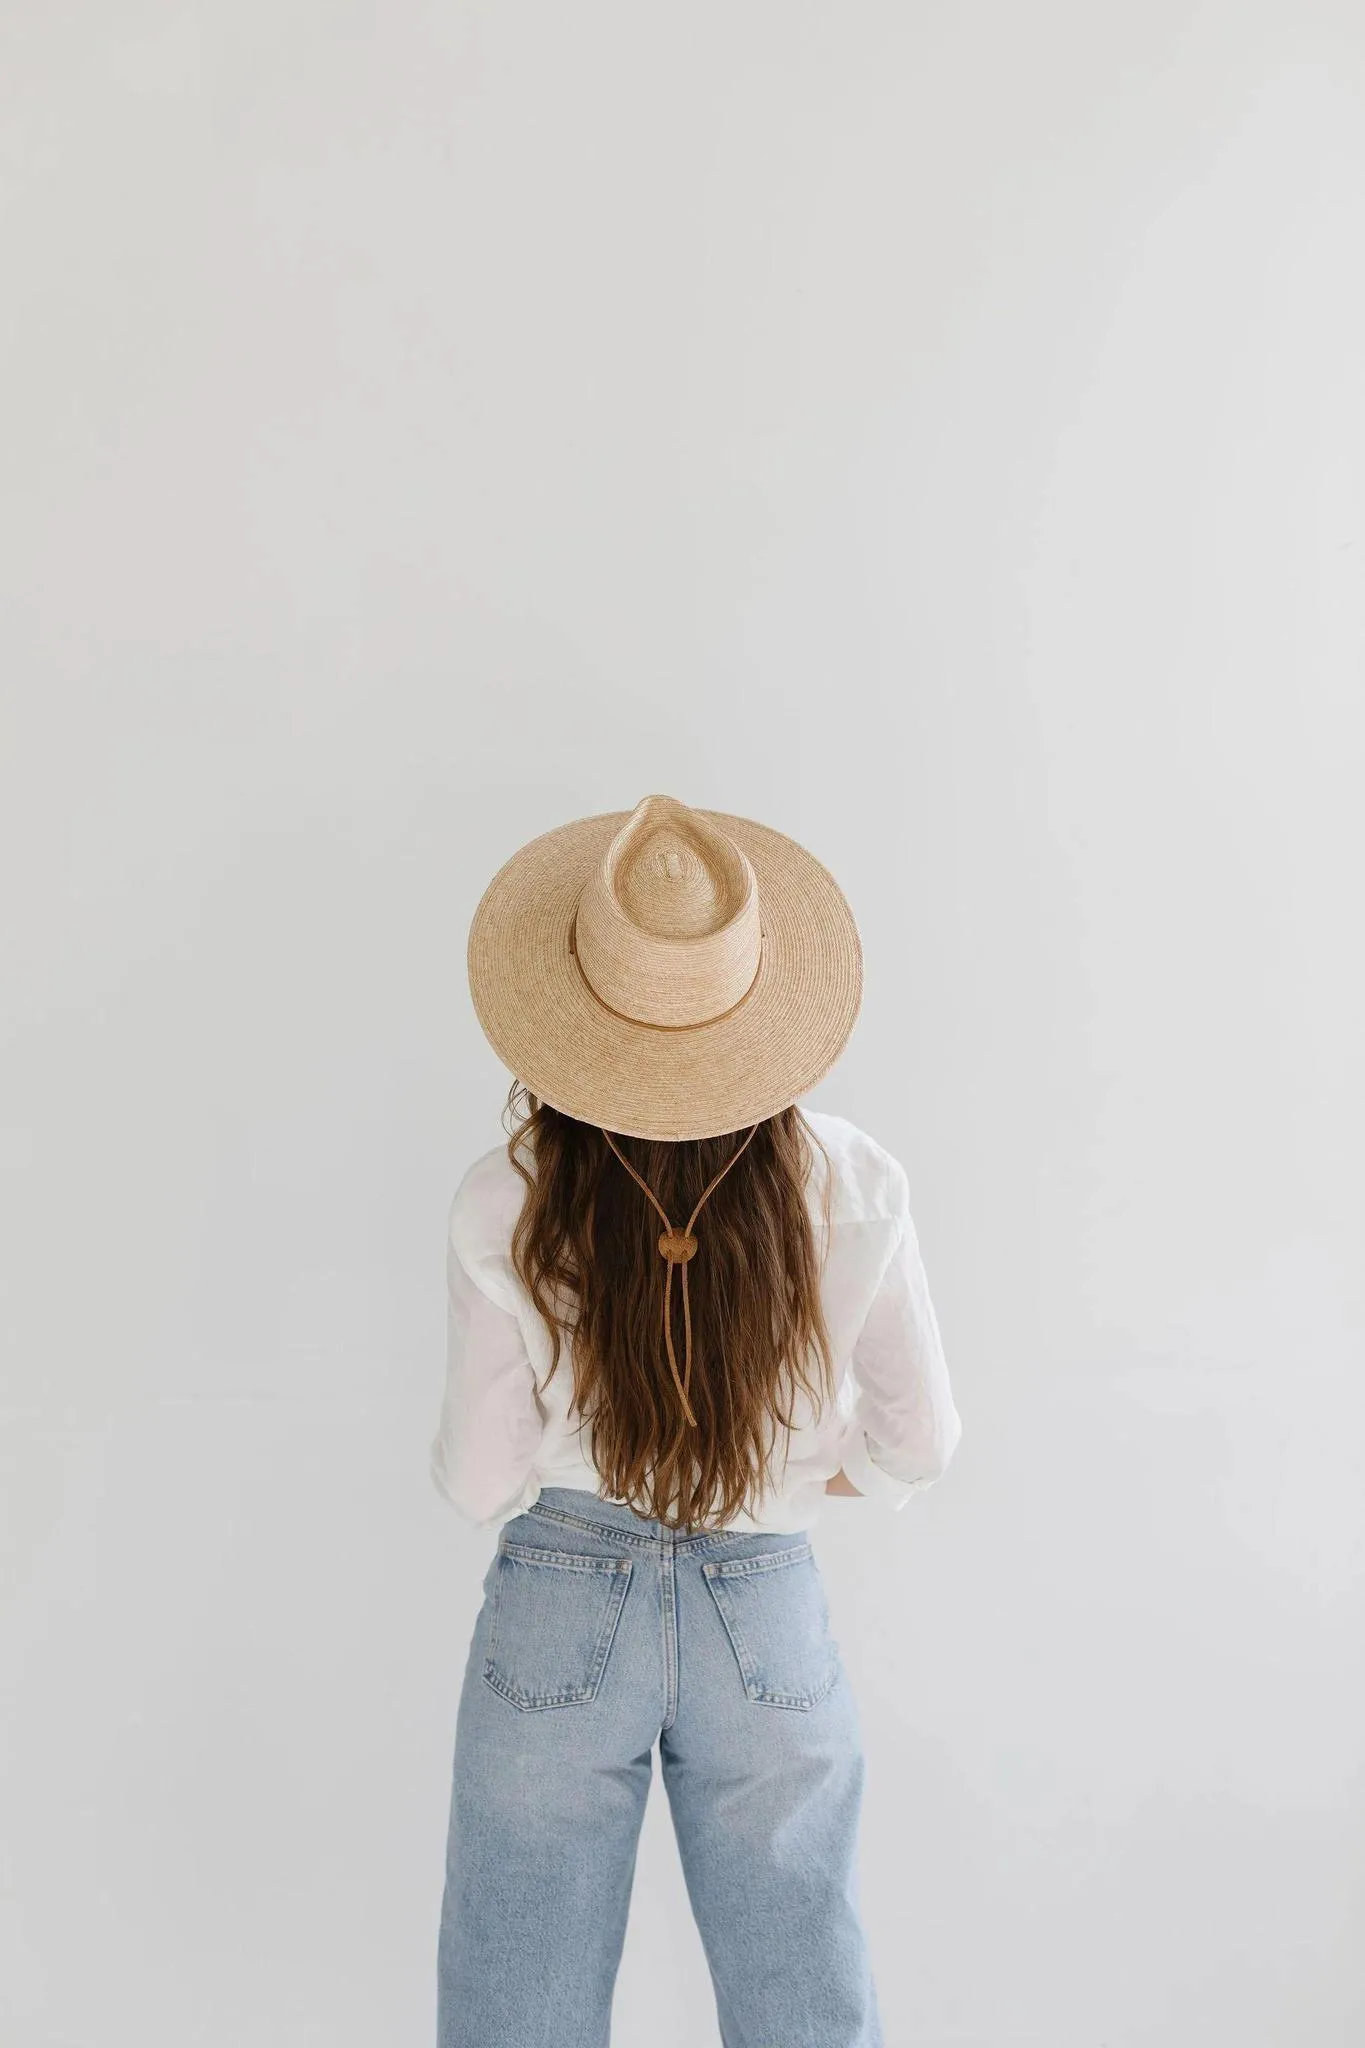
pixel 600 1632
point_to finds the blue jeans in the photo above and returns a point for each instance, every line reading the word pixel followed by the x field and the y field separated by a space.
pixel 599 1632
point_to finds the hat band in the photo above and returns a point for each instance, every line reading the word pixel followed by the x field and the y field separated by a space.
pixel 651 1023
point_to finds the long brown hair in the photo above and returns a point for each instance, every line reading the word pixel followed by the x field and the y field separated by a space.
pixel 586 1247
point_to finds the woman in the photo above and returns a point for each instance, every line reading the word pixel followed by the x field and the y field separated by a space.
pixel 681 1311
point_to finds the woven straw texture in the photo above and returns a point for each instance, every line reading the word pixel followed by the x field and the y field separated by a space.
pixel 698 913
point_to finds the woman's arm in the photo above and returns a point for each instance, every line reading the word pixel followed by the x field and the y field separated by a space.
pixel 905 1426
pixel 483 1454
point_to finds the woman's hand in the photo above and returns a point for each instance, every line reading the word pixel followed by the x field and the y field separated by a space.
pixel 841 1483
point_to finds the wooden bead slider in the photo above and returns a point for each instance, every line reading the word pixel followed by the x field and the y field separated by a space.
pixel 677 1246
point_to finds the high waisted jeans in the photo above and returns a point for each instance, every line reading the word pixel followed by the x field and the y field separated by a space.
pixel 600 1632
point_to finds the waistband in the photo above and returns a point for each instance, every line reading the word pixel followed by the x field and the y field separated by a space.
pixel 575 1503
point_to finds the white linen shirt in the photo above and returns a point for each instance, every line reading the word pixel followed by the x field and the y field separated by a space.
pixel 504 1433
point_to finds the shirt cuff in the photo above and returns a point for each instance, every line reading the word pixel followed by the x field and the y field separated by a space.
pixel 478 1510
pixel 870 1478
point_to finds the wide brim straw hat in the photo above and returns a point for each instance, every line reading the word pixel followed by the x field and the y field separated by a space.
pixel 665 972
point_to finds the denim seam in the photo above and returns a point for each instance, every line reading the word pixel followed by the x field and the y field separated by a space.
pixel 610 1532
pixel 767 1561
pixel 565 1560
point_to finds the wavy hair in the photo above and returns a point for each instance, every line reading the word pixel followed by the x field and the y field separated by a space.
pixel 586 1247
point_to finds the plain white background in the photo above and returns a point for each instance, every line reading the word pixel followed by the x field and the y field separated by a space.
pixel 937 431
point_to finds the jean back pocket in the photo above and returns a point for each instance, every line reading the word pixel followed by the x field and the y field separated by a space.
pixel 776 1616
pixel 554 1615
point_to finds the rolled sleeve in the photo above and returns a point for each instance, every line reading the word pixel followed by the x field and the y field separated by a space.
pixel 483 1454
pixel 904 1426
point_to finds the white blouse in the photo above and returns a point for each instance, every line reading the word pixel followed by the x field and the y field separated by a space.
pixel 504 1433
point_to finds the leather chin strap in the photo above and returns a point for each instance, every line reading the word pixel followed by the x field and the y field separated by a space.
pixel 677 1247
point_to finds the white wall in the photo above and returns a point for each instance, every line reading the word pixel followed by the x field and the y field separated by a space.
pixel 937 431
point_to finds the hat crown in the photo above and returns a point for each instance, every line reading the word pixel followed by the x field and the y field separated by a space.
pixel 667 927
pixel 670 883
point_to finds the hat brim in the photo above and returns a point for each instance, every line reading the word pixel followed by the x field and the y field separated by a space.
pixel 649 1081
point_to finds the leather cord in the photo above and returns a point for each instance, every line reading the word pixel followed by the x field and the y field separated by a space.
pixel 677 1247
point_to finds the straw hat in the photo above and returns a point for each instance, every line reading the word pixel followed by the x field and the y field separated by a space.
pixel 665 972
